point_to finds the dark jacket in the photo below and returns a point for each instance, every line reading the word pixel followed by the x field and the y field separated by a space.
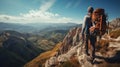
pixel 86 25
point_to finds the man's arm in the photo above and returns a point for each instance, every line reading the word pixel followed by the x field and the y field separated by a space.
pixel 84 25
pixel 83 28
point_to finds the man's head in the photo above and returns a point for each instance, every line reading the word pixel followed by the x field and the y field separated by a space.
pixel 90 9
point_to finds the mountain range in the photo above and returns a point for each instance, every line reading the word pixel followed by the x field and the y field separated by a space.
pixel 20 43
pixel 107 51
pixel 35 27
pixel 15 49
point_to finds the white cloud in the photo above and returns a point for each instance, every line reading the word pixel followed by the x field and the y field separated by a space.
pixel 46 5
pixel 40 15
pixel 35 16
pixel 7 18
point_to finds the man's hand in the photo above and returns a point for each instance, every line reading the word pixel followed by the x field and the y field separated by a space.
pixel 92 29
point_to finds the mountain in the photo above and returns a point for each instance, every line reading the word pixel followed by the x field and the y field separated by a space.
pixel 115 23
pixel 35 27
pixel 15 49
pixel 15 27
pixel 68 52
pixel 48 25
pixel 43 27
pixel 20 43
pixel 46 40
pixel 19 48
pixel 40 60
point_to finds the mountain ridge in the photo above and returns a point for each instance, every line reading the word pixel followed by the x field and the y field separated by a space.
pixel 71 43
pixel 15 49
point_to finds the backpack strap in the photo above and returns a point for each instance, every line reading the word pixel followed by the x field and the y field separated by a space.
pixel 101 22
pixel 100 29
pixel 93 24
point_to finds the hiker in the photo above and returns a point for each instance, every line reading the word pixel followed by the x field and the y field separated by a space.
pixel 85 28
pixel 87 24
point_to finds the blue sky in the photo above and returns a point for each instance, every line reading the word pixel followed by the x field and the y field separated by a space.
pixel 53 11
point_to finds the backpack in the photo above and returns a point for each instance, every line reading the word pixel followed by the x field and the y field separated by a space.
pixel 99 24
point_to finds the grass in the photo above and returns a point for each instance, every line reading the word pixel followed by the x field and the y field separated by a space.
pixel 73 62
pixel 40 60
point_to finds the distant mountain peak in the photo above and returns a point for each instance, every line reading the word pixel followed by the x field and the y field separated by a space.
pixel 115 23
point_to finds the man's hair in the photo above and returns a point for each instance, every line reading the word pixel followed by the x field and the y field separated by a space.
pixel 90 9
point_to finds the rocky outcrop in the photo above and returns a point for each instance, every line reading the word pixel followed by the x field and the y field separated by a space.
pixel 71 39
pixel 107 54
pixel 115 23
pixel 69 46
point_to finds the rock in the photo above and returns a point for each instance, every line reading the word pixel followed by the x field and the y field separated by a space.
pixel 72 51
pixel 80 49
pixel 72 47
pixel 71 39
pixel 62 58
pixel 47 63
pixel 51 62
pixel 82 58
pixel 115 23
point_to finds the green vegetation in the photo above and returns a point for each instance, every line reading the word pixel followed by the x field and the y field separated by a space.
pixel 40 60
pixel 16 50
pixel 46 40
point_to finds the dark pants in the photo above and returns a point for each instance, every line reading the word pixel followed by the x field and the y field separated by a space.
pixel 92 43
pixel 86 44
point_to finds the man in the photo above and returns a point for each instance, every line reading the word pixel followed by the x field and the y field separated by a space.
pixel 86 33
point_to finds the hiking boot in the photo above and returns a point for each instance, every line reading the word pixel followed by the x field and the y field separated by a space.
pixel 87 53
pixel 92 60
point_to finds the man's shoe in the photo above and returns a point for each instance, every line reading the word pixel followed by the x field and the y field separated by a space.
pixel 87 54
pixel 92 60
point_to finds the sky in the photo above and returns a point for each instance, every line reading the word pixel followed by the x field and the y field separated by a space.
pixel 53 11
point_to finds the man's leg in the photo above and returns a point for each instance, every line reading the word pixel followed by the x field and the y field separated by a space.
pixel 86 45
pixel 93 41
pixel 83 38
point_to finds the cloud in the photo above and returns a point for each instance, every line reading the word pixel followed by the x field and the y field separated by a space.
pixel 68 5
pixel 72 4
pixel 35 16
pixel 39 15
pixel 46 5
pixel 77 3
pixel 44 16
pixel 8 18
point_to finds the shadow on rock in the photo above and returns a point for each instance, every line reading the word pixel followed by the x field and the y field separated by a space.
pixel 114 59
